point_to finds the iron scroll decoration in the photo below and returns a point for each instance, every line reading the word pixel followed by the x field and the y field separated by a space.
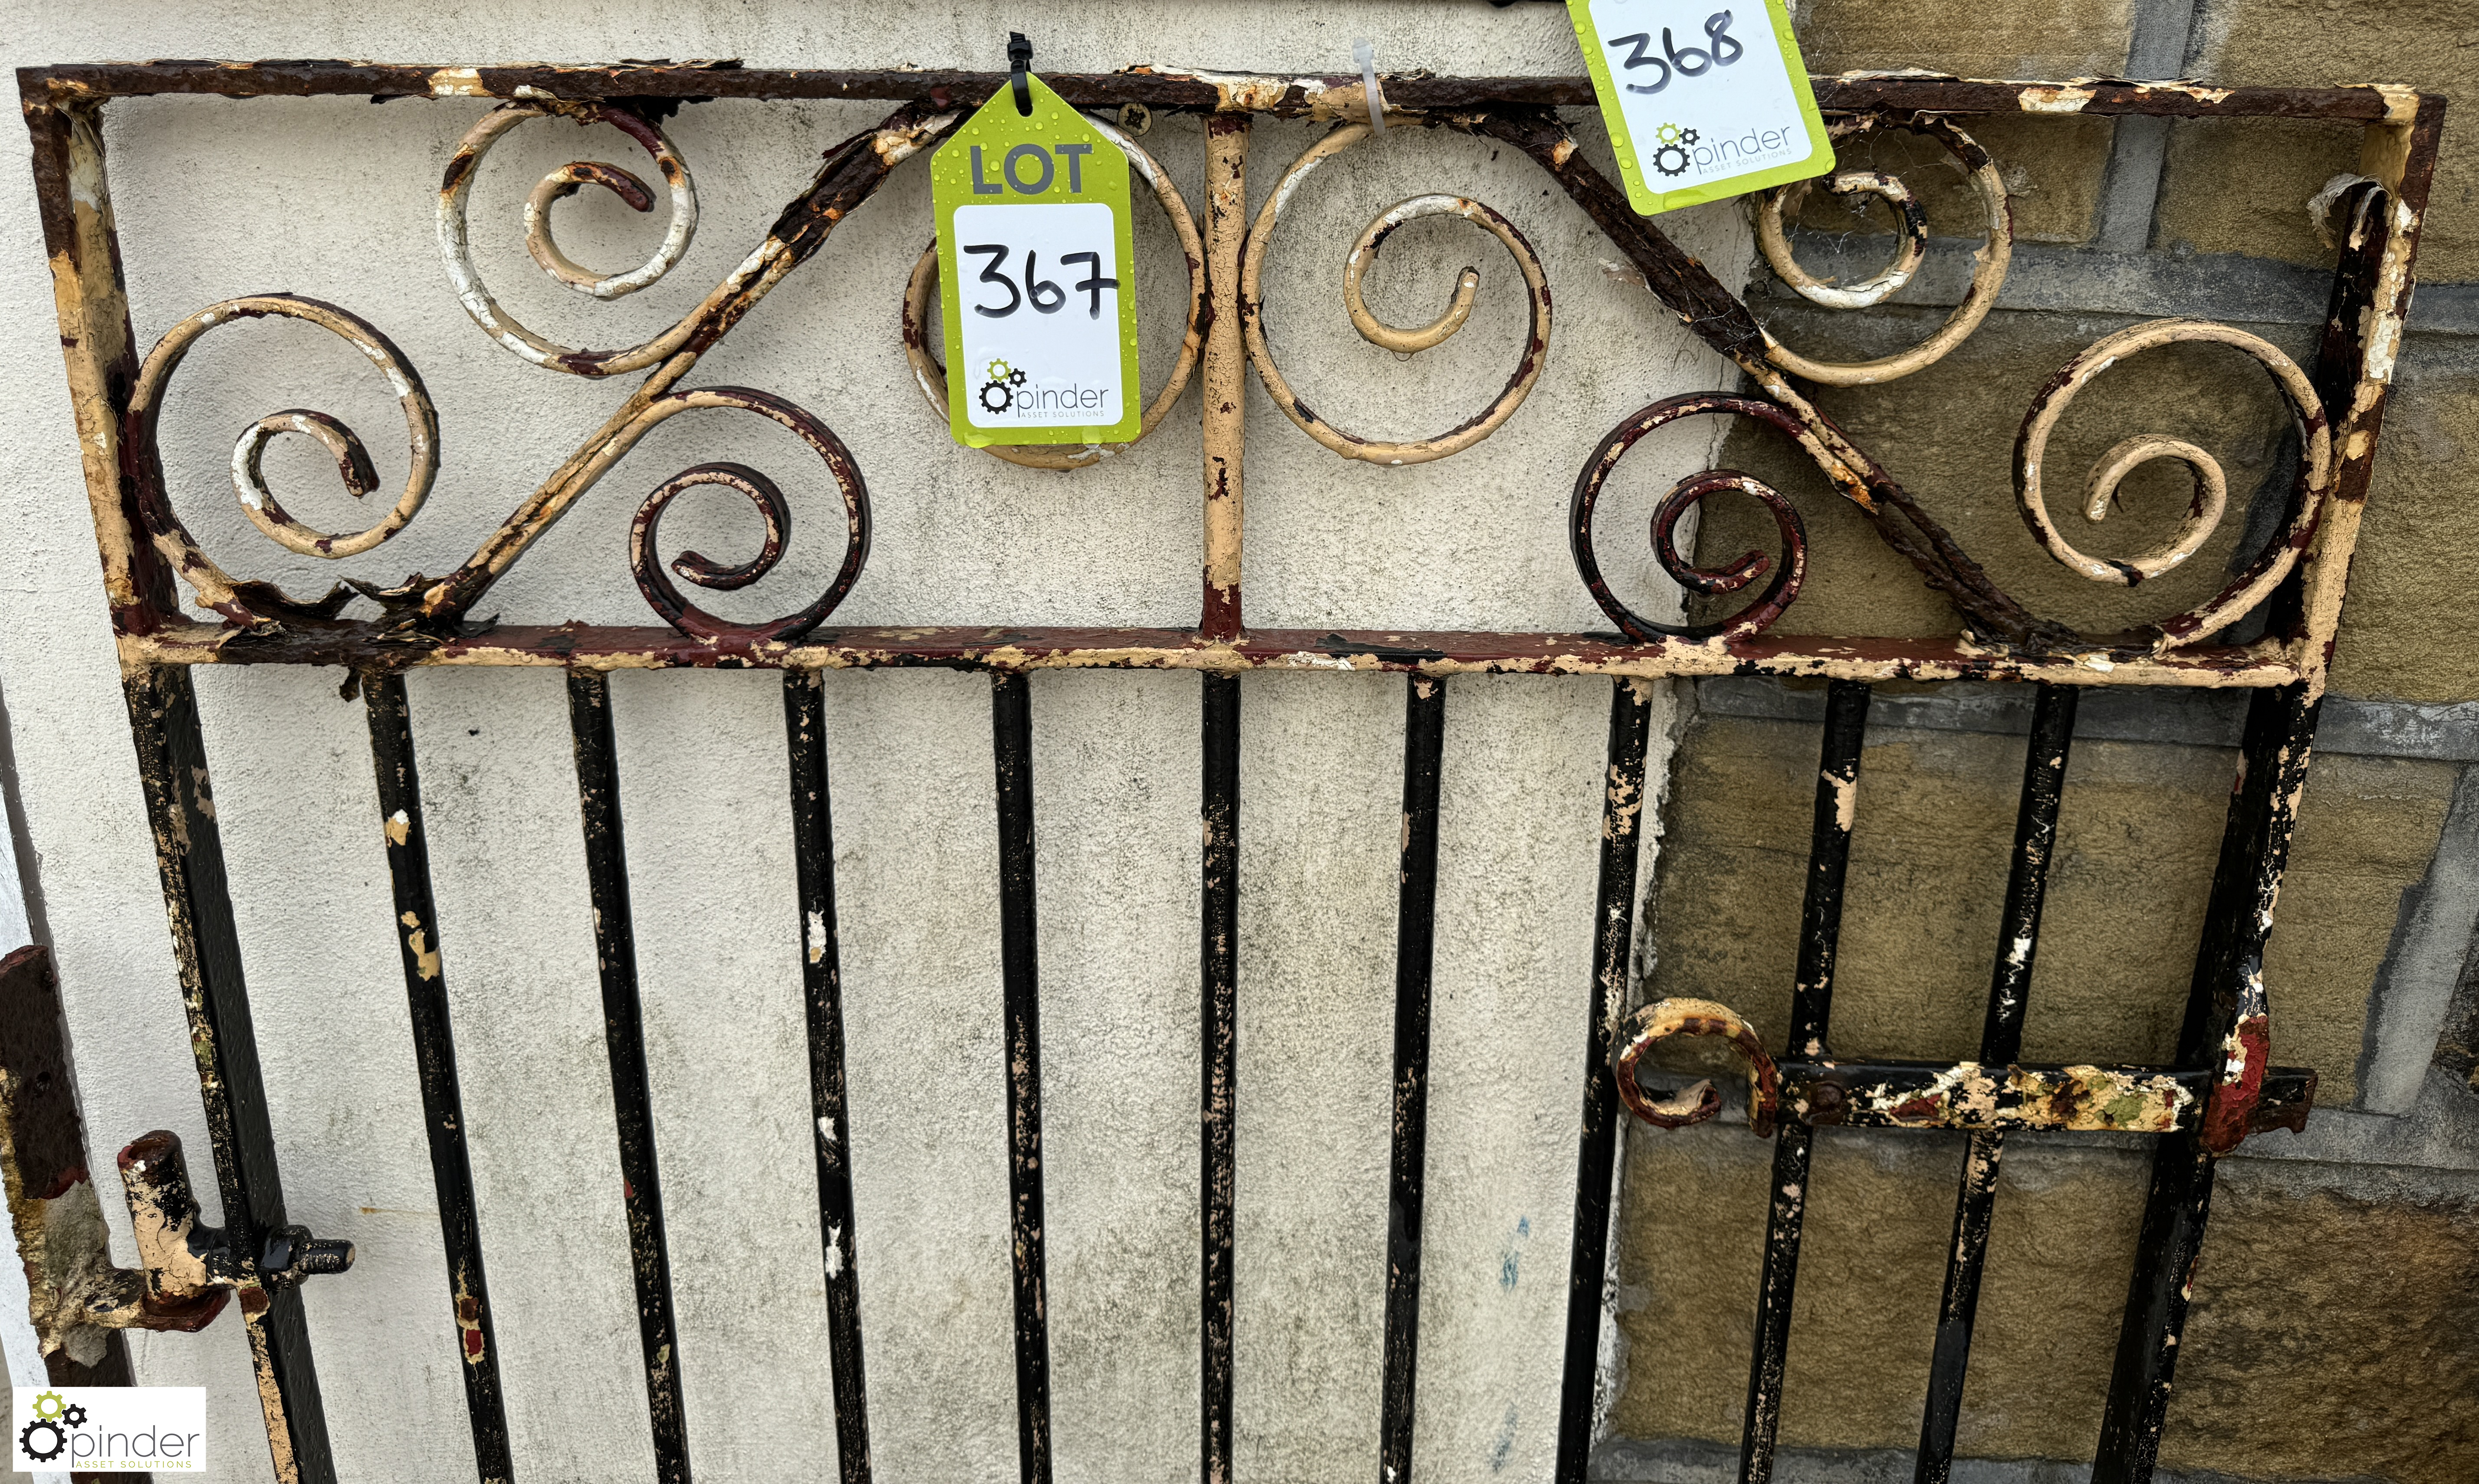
pixel 2221 1092
pixel 437 606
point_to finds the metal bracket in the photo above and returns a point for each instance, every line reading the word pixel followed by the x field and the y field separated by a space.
pixel 76 1293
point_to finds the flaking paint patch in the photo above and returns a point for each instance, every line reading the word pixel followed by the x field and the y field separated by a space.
pixel 2054 98
pixel 817 935
pixel 1625 802
pixel 398 826
pixel 1969 1095
pixel 425 956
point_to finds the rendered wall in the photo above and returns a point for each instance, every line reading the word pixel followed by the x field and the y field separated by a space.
pixel 334 200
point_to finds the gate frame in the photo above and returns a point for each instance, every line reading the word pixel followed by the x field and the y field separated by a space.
pixel 2217 1090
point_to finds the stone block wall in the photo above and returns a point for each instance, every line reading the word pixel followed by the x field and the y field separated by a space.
pixel 2332 1333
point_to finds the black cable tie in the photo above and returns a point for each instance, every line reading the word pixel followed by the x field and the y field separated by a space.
pixel 1019 58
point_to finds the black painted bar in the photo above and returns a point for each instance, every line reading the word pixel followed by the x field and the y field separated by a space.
pixel 197 897
pixel 1820 935
pixel 434 1053
pixel 2255 849
pixel 623 1035
pixel 2001 1043
pixel 1218 1025
pixel 1596 1147
pixel 1011 743
pixel 822 994
pixel 1424 730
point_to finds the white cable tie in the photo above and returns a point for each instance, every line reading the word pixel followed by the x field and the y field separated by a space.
pixel 1364 52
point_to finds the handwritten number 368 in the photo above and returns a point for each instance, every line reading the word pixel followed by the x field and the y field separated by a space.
pixel 1688 61
pixel 1047 296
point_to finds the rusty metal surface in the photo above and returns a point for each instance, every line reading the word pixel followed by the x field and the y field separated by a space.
pixel 174 605
pixel 607 648
pixel 1588 1262
pixel 623 1037
pixel 420 617
pixel 1699 1102
pixel 1156 88
pixel 77 1297
pixel 2045 755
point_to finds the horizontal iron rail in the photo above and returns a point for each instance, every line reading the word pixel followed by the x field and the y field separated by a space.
pixel 593 647
pixel 2010 1097
pixel 1153 87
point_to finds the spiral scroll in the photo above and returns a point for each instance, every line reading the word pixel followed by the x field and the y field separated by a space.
pixel 922 290
pixel 1988 263
pixel 455 193
pixel 645 531
pixel 2211 497
pixel 253 601
pixel 1252 312
pixel 1683 497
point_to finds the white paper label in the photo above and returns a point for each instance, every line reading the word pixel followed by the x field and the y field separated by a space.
pixel 1041 297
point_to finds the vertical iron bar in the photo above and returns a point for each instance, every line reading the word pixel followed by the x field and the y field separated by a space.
pixel 189 853
pixel 2255 849
pixel 1223 378
pixel 1012 740
pixel 434 1052
pixel 1820 935
pixel 73 193
pixel 1597 1148
pixel 1424 726
pixel 814 860
pixel 1218 1032
pixel 623 1033
pixel 2001 1043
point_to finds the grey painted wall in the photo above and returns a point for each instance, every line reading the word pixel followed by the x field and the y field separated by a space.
pixel 333 198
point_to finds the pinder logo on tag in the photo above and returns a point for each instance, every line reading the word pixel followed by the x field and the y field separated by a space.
pixel 1671 155
pixel 998 393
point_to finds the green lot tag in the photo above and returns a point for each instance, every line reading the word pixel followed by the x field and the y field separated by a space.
pixel 1035 258
pixel 1701 103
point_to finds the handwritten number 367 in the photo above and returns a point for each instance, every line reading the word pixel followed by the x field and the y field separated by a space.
pixel 1047 296
pixel 1687 60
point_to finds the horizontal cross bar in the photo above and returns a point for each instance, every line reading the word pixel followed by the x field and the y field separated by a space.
pixel 1152 86
pixel 2075 1099
pixel 591 646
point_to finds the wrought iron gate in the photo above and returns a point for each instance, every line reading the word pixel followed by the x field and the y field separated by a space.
pixel 2218 1089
